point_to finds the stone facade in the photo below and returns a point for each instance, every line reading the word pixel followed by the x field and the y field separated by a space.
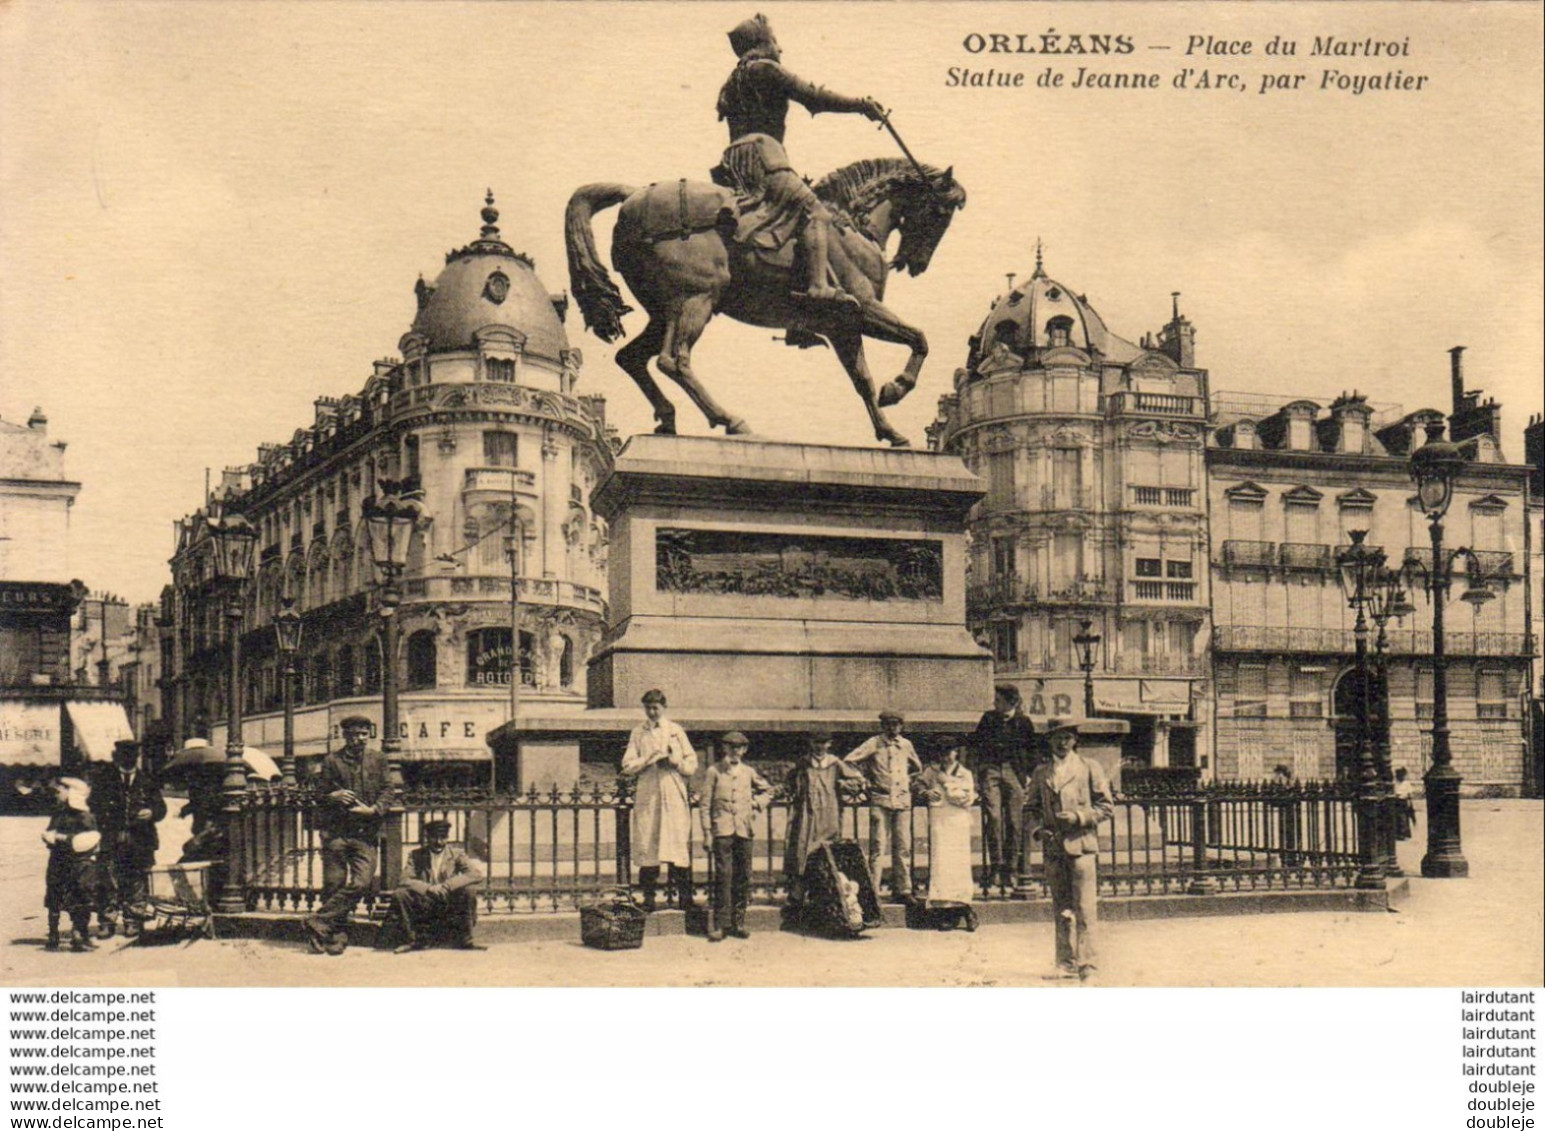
pixel 481 413
pixel 1091 448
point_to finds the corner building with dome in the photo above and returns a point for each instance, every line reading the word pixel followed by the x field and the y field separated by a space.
pixel 1092 450
pixel 481 412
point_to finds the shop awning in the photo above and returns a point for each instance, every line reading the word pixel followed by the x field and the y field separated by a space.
pixel 97 727
pixel 29 734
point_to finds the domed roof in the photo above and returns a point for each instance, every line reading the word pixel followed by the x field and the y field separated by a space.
pixel 488 284
pixel 1035 315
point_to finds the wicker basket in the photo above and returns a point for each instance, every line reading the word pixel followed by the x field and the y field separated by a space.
pixel 613 925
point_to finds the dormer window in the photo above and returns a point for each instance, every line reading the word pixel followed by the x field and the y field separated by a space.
pixel 499 369
pixel 1059 332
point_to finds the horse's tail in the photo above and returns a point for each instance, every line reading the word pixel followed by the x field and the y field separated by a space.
pixel 599 299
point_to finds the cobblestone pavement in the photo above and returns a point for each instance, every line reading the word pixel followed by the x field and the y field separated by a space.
pixel 1488 930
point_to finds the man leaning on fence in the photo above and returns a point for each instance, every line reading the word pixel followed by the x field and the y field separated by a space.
pixel 1069 798
pixel 355 795
pixel 438 893
pixel 1003 750
pixel 889 761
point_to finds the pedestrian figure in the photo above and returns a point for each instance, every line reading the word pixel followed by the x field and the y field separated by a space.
pixel 662 759
pixel 951 792
pixel 733 794
pixel 71 879
pixel 1405 806
pixel 438 891
pixel 127 803
pixel 1003 749
pixel 889 761
pixel 1068 799
pixel 815 810
pixel 356 793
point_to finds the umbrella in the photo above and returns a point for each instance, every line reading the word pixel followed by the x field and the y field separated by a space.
pixel 198 752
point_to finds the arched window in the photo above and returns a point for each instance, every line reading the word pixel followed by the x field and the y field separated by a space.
pixel 321 678
pixel 1059 332
pixel 566 663
pixel 421 659
pixel 372 666
pixel 488 658
pixel 343 673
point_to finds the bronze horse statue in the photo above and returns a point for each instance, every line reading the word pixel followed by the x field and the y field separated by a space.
pixel 675 244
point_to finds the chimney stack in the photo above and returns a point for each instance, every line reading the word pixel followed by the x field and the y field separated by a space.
pixel 1457 377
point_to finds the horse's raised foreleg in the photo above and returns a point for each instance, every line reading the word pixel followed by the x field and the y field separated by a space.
pixel 634 360
pixel 881 324
pixel 681 334
pixel 849 348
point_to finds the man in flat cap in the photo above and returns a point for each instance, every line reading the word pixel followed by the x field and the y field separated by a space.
pixel 1003 750
pixel 438 892
pixel 127 803
pixel 356 793
pixel 889 761
pixel 1069 798
pixel 733 794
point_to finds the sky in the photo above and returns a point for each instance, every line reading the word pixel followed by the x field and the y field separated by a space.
pixel 211 215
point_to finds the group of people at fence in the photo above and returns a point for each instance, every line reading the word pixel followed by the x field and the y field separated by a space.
pixel 1059 800
pixel 1028 784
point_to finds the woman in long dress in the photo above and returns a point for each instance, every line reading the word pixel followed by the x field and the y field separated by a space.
pixel 815 810
pixel 662 759
pixel 951 792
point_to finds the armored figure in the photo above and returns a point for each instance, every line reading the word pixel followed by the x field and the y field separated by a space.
pixel 754 102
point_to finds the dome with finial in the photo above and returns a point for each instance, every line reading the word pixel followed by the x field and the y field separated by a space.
pixel 1042 314
pixel 488 284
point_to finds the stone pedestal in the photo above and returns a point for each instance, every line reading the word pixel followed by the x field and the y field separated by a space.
pixel 787 577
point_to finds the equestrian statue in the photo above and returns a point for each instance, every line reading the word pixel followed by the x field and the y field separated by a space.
pixel 762 245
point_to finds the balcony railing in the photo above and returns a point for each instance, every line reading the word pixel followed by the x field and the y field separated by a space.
pixel 499 480
pixel 1000 592
pixel 1157 404
pixel 1164 496
pixel 1340 641
pixel 539 590
pixel 1161 590
pixel 550 851
pixel 1066 498
pixel 1307 556
pixel 1243 553
pixel 1159 663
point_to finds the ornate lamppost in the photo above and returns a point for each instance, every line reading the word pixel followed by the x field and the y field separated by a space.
pixel 231 536
pixel 1360 566
pixel 390 518
pixel 1435 466
pixel 287 631
pixel 1386 600
pixel 1086 642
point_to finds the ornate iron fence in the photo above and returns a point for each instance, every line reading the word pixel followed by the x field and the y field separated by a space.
pixel 550 851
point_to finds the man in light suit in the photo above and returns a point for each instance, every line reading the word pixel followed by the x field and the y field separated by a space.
pixel 438 890
pixel 1069 798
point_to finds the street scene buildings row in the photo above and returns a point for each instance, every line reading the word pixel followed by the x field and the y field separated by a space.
pixel 1148 549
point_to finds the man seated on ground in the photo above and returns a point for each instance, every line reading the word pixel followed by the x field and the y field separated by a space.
pixel 438 892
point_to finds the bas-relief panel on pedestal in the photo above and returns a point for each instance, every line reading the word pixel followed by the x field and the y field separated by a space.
pixel 797 565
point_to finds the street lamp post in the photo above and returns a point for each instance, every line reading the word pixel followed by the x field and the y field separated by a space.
pixel 1387 599
pixel 1359 566
pixel 232 538
pixel 1435 466
pixel 1086 642
pixel 287 631
pixel 390 518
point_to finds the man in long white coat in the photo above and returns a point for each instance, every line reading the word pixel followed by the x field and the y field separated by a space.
pixel 662 759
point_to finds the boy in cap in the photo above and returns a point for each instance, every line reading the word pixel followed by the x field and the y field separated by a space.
pixel 70 881
pixel 438 891
pixel 732 796
pixel 355 795
pixel 661 758
pixel 1069 798
pixel 890 761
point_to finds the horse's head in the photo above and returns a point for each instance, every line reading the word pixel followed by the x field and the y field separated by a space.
pixel 928 202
